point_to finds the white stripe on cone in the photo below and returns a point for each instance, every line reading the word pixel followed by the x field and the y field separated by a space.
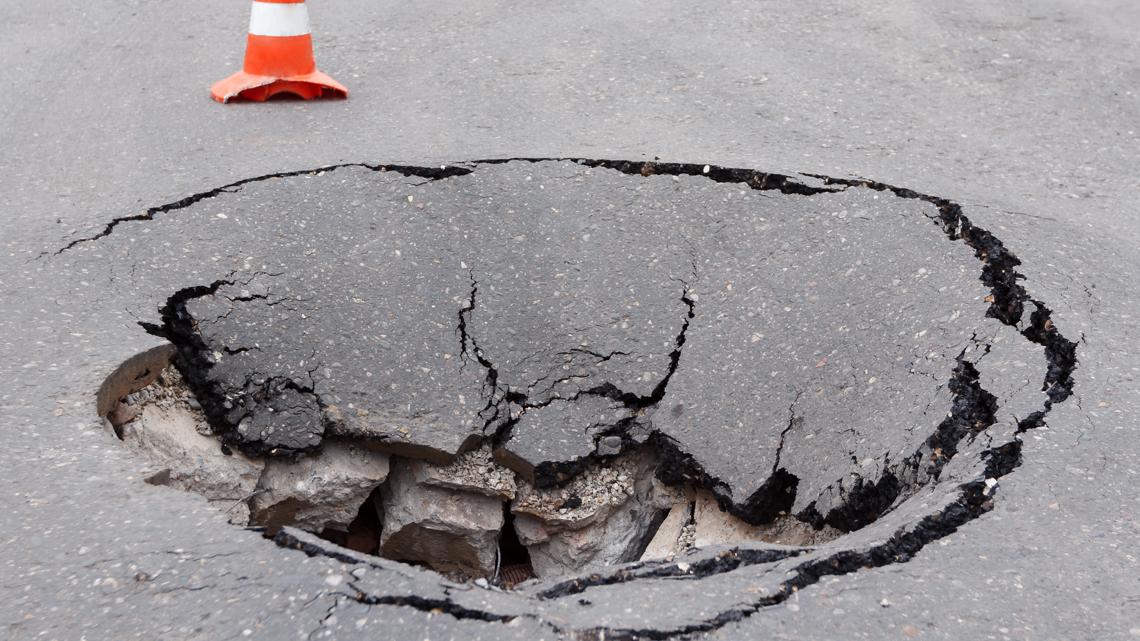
pixel 279 19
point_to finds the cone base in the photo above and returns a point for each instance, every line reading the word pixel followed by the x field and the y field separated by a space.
pixel 247 86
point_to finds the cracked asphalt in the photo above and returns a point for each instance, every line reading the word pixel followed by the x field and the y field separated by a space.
pixel 1025 116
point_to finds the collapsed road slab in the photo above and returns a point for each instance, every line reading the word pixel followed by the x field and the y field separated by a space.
pixel 792 351
pixel 809 349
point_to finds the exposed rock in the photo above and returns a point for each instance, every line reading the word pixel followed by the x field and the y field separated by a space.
pixel 474 471
pixel 530 530
pixel 449 530
pixel 318 491
pixel 181 455
pixel 599 519
pixel 609 446
pixel 666 542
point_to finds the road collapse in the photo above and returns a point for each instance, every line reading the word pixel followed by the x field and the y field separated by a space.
pixel 521 372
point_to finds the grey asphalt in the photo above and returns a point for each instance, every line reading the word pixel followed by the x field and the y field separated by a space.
pixel 1025 113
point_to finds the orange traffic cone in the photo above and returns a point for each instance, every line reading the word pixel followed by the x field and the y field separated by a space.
pixel 278 57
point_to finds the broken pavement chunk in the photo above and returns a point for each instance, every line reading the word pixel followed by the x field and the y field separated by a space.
pixel 174 440
pixel 290 420
pixel 448 530
pixel 320 490
pixel 548 445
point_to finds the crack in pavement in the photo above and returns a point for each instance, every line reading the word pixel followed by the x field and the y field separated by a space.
pixel 222 408
pixel 430 173
pixel 754 179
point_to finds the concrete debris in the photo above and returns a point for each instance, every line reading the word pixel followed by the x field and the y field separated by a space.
pixel 448 517
pixel 174 440
pixel 320 491
pixel 600 518
pixel 590 496
pixel 666 542
pixel 450 531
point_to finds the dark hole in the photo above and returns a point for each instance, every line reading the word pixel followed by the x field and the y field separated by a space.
pixel 514 560
pixel 363 533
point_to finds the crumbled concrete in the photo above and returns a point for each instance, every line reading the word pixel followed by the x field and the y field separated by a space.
pixel 474 471
pixel 590 496
pixel 447 530
pixel 319 491
pixel 174 439
pixel 600 519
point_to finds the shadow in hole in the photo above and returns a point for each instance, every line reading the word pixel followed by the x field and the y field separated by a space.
pixel 363 533
pixel 514 560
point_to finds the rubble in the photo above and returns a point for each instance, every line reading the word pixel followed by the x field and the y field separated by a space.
pixel 445 529
pixel 448 517
pixel 319 491
pixel 600 518
pixel 180 451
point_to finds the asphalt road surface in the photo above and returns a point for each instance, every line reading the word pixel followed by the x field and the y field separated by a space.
pixel 1025 114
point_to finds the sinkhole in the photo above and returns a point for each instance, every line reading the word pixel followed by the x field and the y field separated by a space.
pixel 514 371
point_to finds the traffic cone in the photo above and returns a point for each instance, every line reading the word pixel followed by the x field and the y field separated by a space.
pixel 278 57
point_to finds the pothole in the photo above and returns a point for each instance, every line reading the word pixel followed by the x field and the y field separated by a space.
pixel 472 519
pixel 564 376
